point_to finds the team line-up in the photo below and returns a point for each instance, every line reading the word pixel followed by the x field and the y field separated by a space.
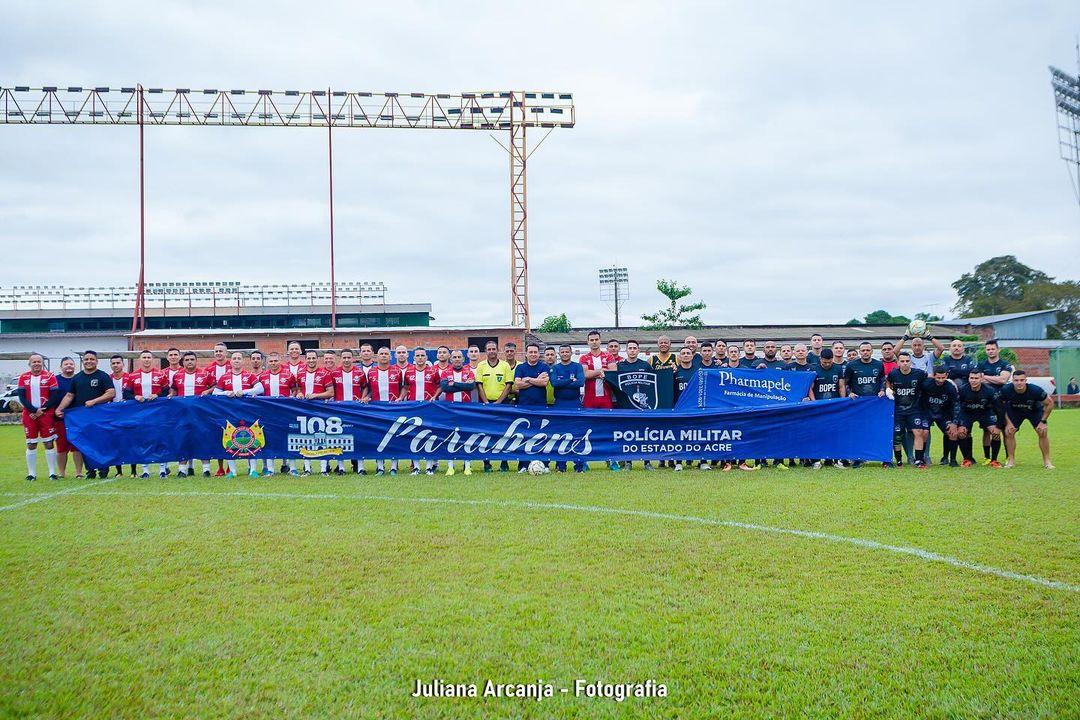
pixel 943 387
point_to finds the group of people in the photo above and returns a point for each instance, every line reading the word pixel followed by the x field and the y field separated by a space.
pixel 942 387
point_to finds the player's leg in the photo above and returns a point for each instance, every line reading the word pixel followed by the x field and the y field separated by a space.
pixel 986 439
pixel 918 441
pixel 995 441
pixel 899 430
pixel 1044 444
pixel 963 437
pixel 468 467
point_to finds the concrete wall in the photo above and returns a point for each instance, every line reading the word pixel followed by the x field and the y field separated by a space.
pixel 54 347
pixel 429 338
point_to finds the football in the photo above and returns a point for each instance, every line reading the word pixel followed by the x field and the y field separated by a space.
pixel 916 328
pixel 537 468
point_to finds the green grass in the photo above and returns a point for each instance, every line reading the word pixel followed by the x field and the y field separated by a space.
pixel 119 601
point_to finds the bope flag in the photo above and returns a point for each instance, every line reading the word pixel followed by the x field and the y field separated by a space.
pixel 218 427
pixel 642 389
pixel 728 388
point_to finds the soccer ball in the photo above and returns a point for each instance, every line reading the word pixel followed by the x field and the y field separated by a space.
pixel 916 328
pixel 537 468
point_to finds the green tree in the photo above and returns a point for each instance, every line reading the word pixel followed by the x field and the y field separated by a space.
pixel 675 315
pixel 555 324
pixel 994 286
pixel 927 317
pixel 1061 296
pixel 1007 354
pixel 880 317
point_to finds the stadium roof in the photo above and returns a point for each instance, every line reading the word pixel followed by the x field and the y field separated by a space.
pixel 729 333
pixel 991 319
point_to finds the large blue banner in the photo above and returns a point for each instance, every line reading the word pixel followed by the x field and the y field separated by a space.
pixel 727 388
pixel 220 427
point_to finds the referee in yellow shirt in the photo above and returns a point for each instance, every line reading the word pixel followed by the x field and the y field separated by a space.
pixel 494 378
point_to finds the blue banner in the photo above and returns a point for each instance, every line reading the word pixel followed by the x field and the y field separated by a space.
pixel 727 388
pixel 220 427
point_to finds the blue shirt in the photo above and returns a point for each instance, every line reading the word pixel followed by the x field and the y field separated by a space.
pixel 567 379
pixel 531 395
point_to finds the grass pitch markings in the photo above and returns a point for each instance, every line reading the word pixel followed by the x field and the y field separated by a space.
pixel 919 553
pixel 49 496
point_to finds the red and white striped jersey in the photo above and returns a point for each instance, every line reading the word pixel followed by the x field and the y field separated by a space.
pixel 596 388
pixel 421 384
pixel 37 387
pixel 279 384
pixel 190 384
pixel 349 384
pixel 313 382
pixel 296 369
pixel 150 383
pixel 385 385
pixel 465 374
pixel 237 382
pixel 216 372
pixel 170 373
pixel 121 385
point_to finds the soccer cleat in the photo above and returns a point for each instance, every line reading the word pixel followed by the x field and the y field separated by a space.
pixel 488 468
pixel 361 471
pixel 163 474
pixel 92 475
pixel 781 466
pixel 340 470
pixel 615 466
pixel 748 468
pixel 181 474
pixel 704 466
pixel 649 465
pixel 393 471
pixel 468 470
pixel 953 463
pixel 943 461
pixel 54 477
pixel 727 467
pixel 900 464
pixel 919 465
pixel 888 465
pixel 253 473
pixel 294 473
pixel 987 462
pixel 269 472
pixel 995 464
pixel 306 473
pixel 325 473
pixel 450 469
pixel 206 473
pixel 967 463
pixel 415 472
pixel 1049 466
pixel 30 478
pixel 678 467
pixel 429 471
pixel 220 472
pixel 80 477
pixel 1010 465
pixel 522 469
pixel 230 474
pixel 379 472
pixel 816 465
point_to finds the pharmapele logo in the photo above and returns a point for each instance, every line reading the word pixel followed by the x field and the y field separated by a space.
pixel 640 387
pixel 726 377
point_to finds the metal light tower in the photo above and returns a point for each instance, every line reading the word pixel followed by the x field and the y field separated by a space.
pixel 615 285
pixel 1067 100
pixel 513 111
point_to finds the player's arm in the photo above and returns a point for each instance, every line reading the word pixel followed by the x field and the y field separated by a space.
pixel 999 380
pixel 810 393
pixel 849 377
pixel 841 386
pixel 521 383
pixel 106 398
pixel 541 380
pixel 480 393
pixel 1048 407
pixel 24 399
pixel 899 345
pixel 255 389
pixel 55 396
pixel 939 348
pixel 505 393
pixel 67 400
pixel 467 385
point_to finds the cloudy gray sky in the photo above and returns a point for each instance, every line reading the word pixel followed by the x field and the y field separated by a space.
pixel 800 162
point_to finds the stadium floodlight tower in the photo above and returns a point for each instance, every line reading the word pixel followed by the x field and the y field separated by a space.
pixel 615 285
pixel 514 111
pixel 1067 101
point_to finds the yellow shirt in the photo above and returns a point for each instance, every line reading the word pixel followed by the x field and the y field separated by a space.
pixel 658 364
pixel 493 379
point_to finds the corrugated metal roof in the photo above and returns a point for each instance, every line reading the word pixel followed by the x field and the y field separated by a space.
pixel 991 319
pixel 737 333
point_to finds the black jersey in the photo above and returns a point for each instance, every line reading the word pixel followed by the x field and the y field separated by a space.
pixel 750 363
pixel 807 367
pixel 907 389
pixel 1028 402
pixel 827 382
pixel 682 377
pixel 865 379
pixel 958 368
pixel 939 400
pixel 775 364
pixel 975 403
pixel 994 369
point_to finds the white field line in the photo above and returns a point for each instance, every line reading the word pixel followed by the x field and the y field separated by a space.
pixel 919 553
pixel 49 496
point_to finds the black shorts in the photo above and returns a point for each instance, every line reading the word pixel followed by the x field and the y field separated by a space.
pixel 904 421
pixel 985 420
pixel 1017 417
pixel 942 424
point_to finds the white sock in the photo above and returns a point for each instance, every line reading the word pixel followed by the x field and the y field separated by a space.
pixel 307 466
pixel 145 469
pixel 50 460
pixel 322 466
pixel 393 465
pixel 31 462
pixel 232 466
pixel 182 467
pixel 468 464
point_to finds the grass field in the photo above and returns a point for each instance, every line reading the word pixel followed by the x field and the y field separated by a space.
pixel 314 597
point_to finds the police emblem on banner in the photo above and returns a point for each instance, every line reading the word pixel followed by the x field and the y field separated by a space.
pixel 640 389
pixel 242 440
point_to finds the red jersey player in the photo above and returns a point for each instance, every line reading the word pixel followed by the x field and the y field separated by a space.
pixel 349 379
pixel 421 381
pixel 220 366
pixel 595 362
pixel 456 384
pixel 314 382
pixel 148 382
pixel 276 380
pixel 384 385
pixel 173 357
pixel 296 362
pixel 189 381
pixel 37 391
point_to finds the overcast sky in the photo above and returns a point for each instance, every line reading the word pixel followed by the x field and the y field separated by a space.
pixel 800 162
